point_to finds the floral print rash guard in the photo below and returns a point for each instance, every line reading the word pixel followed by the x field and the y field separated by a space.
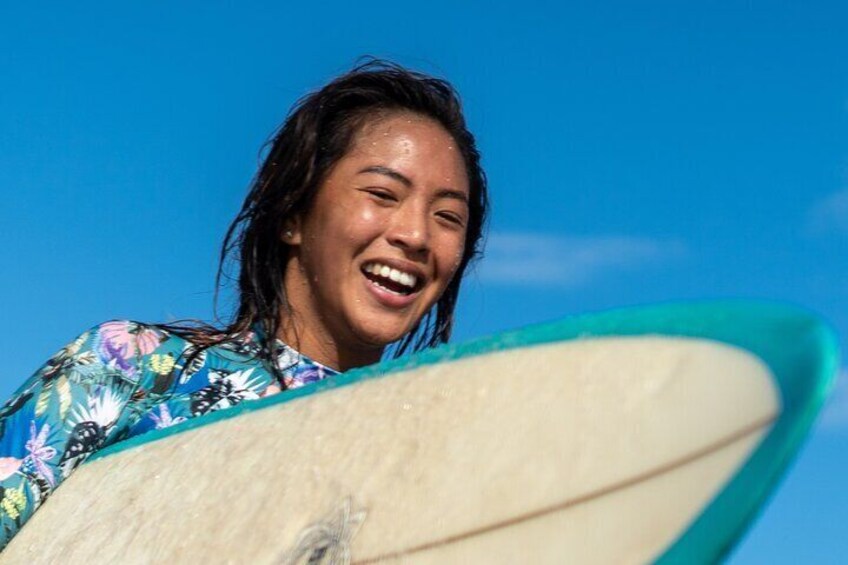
pixel 115 381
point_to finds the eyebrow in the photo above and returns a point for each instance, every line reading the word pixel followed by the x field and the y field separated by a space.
pixel 391 173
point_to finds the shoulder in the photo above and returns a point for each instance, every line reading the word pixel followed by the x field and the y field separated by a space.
pixel 116 343
pixel 136 348
pixel 130 337
pixel 122 344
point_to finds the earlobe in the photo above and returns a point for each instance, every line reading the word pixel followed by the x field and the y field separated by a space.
pixel 291 232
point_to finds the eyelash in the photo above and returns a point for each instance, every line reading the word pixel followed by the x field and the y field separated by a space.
pixel 383 195
pixel 452 218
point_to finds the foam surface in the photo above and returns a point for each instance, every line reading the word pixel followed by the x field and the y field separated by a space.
pixel 591 450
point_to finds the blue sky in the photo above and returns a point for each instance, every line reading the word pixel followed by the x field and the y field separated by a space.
pixel 635 154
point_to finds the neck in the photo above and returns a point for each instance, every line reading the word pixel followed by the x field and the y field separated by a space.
pixel 319 346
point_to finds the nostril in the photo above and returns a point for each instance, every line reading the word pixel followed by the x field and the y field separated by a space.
pixel 413 240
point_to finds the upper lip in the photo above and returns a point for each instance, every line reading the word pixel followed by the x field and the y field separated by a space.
pixel 401 265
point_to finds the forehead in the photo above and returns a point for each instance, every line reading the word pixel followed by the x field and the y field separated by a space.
pixel 412 141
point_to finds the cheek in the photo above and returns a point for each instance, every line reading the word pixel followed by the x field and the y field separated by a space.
pixel 364 216
pixel 345 225
pixel 362 225
pixel 450 255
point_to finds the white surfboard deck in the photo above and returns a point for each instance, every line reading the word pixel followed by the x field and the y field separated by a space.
pixel 597 450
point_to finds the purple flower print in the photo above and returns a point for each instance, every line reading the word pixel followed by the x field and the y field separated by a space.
pixel 39 453
pixel 300 377
pixel 121 342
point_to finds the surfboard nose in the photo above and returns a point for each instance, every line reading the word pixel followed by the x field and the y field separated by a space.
pixel 802 353
pixel 799 347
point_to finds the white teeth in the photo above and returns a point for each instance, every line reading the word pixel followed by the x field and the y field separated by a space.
pixel 387 272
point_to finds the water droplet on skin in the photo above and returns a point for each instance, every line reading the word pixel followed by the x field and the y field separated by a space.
pixel 407 406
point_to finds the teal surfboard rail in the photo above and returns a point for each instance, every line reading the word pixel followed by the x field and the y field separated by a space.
pixel 798 347
pixel 802 353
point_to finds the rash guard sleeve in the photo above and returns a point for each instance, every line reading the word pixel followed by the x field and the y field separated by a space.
pixel 68 409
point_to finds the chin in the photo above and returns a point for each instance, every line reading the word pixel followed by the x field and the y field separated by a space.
pixel 378 335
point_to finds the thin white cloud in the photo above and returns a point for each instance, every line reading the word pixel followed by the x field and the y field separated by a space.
pixel 534 259
pixel 835 414
pixel 830 214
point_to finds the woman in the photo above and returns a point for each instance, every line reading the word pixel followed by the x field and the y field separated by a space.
pixel 354 236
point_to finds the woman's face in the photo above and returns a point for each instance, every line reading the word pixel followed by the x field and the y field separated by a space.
pixel 380 243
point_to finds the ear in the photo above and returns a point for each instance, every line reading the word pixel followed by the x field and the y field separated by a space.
pixel 291 231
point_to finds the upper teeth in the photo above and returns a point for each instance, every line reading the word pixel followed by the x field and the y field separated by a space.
pixel 387 272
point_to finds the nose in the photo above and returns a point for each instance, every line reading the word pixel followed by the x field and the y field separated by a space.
pixel 410 230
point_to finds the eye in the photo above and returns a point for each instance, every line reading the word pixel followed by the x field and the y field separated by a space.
pixel 452 219
pixel 382 195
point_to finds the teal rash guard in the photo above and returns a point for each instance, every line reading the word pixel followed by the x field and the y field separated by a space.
pixel 118 380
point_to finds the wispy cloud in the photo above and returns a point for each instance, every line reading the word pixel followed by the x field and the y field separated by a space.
pixel 835 414
pixel 830 214
pixel 533 259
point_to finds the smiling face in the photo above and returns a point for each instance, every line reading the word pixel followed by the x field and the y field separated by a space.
pixel 380 243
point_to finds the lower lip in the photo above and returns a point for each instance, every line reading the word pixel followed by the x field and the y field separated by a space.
pixel 388 298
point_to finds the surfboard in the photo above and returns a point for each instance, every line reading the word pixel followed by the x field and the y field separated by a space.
pixel 645 434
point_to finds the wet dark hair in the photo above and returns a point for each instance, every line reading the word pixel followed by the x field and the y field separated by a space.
pixel 317 133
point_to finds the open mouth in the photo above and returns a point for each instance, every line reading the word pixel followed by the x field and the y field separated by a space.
pixel 390 279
